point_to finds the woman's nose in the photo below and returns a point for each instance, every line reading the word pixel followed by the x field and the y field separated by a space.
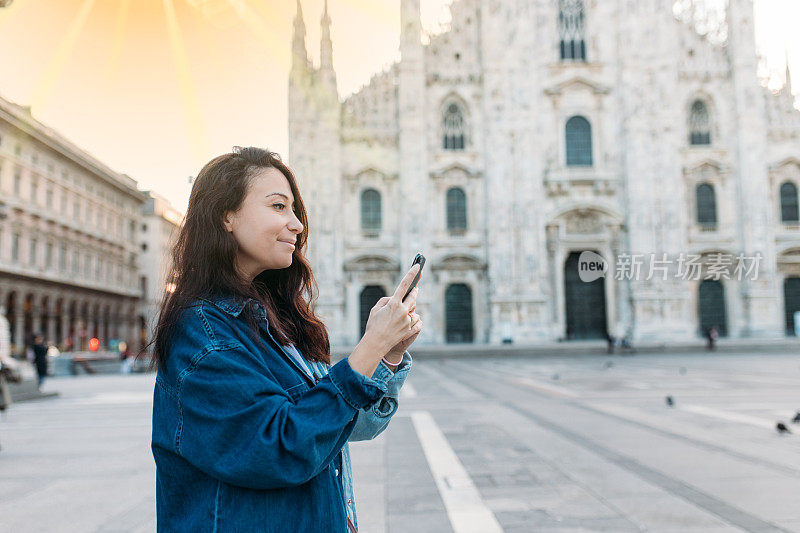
pixel 297 225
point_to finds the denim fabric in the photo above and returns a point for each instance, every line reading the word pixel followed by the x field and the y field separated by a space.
pixel 371 421
pixel 243 439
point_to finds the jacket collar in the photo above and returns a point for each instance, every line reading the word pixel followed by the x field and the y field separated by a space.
pixel 234 304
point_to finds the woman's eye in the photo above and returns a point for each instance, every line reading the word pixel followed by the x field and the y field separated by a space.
pixel 282 206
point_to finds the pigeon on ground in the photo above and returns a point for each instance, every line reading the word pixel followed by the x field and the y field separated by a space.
pixel 608 364
pixel 555 376
pixel 796 418
pixel 781 427
pixel 682 370
pixel 670 401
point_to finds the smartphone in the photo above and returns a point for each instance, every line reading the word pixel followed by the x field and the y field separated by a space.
pixel 421 260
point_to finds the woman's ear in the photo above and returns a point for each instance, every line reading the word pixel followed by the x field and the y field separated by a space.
pixel 227 221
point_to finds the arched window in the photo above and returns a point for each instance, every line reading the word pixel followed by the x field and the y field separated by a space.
pixel 571 29
pixel 579 142
pixel 456 210
pixel 453 128
pixel 699 124
pixel 789 211
pixel 706 205
pixel 371 210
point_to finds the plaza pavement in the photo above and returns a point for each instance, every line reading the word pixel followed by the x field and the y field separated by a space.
pixel 480 444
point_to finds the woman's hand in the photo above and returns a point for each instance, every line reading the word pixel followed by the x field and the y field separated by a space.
pixel 395 354
pixel 391 324
pixel 391 321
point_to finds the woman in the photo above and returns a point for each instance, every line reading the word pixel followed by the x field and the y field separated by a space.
pixel 40 359
pixel 250 420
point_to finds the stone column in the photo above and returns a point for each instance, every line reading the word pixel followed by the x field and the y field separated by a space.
pixel 51 329
pixel 64 327
pixel 101 330
pixel 552 248
pixel 19 331
pixel 36 318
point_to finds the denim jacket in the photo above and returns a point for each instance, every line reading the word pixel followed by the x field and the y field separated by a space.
pixel 245 440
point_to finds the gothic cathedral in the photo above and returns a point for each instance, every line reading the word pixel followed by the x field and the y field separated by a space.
pixel 532 131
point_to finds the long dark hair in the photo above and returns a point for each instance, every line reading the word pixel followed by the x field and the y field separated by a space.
pixel 203 260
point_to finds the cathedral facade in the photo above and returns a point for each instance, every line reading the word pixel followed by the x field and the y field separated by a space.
pixel 532 131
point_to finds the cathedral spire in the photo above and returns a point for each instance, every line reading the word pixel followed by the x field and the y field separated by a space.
pixel 788 83
pixel 325 45
pixel 410 24
pixel 299 54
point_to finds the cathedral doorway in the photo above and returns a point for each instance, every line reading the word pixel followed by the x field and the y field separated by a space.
pixel 711 307
pixel 791 301
pixel 369 297
pixel 585 303
pixel 458 313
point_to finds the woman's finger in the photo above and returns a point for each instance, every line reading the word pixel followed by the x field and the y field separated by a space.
pixel 380 303
pixel 412 298
pixel 406 282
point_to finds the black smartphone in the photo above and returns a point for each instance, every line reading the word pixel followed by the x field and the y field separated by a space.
pixel 421 260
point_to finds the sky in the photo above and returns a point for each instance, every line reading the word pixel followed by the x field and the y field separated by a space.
pixel 155 88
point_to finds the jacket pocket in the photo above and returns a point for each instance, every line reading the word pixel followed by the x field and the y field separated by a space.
pixel 296 392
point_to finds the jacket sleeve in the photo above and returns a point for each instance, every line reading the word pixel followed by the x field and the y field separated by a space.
pixel 373 419
pixel 238 425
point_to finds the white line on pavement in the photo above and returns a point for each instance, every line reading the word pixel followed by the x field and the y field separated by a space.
pixel 466 510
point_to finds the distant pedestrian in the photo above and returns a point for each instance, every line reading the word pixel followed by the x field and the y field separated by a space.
pixel 5 335
pixel 5 393
pixel 40 358
pixel 626 346
pixel 6 364
pixel 610 341
pixel 127 360
pixel 711 337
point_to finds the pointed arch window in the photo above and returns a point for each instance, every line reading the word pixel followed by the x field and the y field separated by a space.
pixel 579 142
pixel 371 210
pixel 789 208
pixel 699 124
pixel 706 205
pixel 453 128
pixel 456 210
pixel 572 29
